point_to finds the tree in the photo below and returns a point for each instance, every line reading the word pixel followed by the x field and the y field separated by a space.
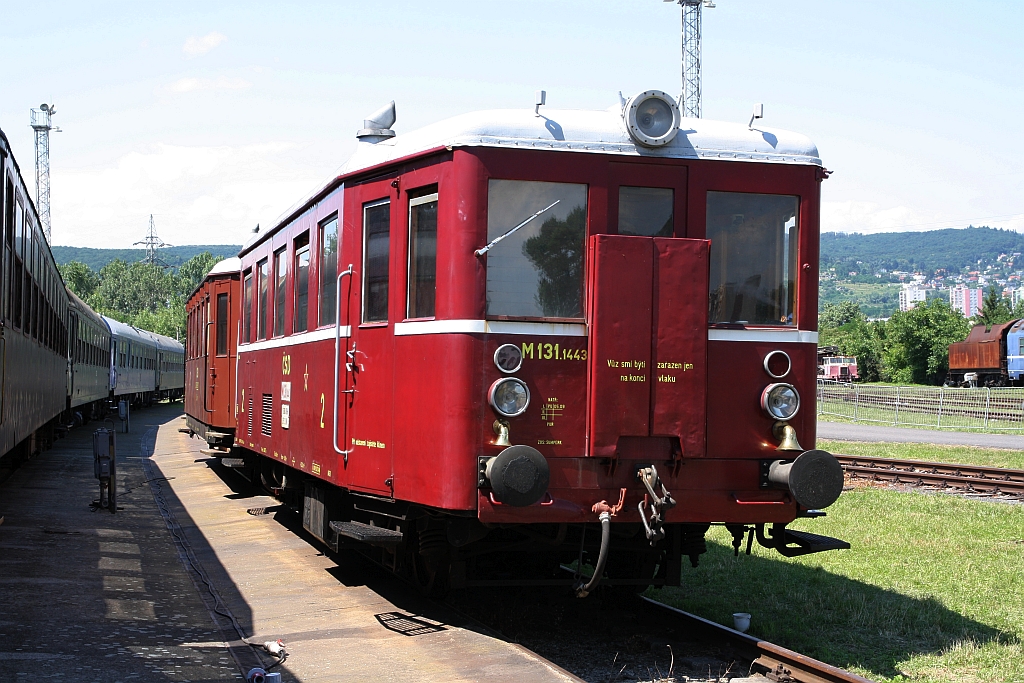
pixel 994 309
pixel 836 315
pixel 192 273
pixel 916 342
pixel 80 278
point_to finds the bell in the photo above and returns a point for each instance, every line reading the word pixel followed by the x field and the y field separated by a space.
pixel 501 429
pixel 786 435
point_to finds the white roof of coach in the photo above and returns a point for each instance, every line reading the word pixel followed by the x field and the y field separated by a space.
pixel 601 132
pixel 119 329
pixel 227 266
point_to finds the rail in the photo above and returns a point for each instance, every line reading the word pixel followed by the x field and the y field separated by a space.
pixel 782 664
pixel 991 409
pixel 973 479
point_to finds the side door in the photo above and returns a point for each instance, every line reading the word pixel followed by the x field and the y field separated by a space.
pixel 368 360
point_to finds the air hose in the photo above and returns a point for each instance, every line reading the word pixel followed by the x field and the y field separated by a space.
pixel 583 591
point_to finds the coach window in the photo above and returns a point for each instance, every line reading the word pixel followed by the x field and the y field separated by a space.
pixel 537 271
pixel 263 268
pixel 422 253
pixel 645 211
pixel 18 275
pixel 280 274
pixel 8 248
pixel 376 258
pixel 222 324
pixel 301 322
pixel 328 270
pixel 753 257
pixel 247 308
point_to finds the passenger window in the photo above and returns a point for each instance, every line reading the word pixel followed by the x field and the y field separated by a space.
pixel 422 255
pixel 247 308
pixel 280 274
pixel 537 271
pixel 376 258
pixel 328 270
pixel 645 211
pixel 301 284
pixel 753 257
pixel 222 324
pixel 264 282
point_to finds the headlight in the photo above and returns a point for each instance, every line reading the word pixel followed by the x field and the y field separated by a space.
pixel 652 118
pixel 780 401
pixel 509 397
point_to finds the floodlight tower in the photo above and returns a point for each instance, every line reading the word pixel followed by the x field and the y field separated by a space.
pixel 42 125
pixel 689 100
pixel 152 243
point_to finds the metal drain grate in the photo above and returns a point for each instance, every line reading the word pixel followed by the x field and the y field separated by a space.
pixel 267 418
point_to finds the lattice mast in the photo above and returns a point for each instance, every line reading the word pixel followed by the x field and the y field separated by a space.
pixel 689 100
pixel 152 243
pixel 42 124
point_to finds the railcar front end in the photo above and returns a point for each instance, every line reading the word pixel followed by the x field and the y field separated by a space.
pixel 488 334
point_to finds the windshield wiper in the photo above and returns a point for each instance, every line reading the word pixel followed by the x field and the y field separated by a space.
pixel 483 250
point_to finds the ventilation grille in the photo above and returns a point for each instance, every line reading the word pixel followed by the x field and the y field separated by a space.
pixel 267 418
pixel 250 412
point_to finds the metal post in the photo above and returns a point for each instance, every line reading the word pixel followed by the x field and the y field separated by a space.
pixel 941 394
pixel 896 418
pixel 988 400
pixel 856 402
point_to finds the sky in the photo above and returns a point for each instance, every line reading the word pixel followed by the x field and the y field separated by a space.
pixel 215 116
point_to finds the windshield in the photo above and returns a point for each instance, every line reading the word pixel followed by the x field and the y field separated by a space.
pixel 753 257
pixel 536 271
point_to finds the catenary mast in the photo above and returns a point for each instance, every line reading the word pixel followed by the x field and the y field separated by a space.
pixel 689 100
pixel 42 124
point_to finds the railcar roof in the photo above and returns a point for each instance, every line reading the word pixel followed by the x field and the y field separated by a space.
pixel 120 329
pixel 83 308
pixel 226 267
pixel 571 130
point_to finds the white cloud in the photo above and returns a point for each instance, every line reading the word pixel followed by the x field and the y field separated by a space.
pixel 194 46
pixel 198 195
pixel 183 85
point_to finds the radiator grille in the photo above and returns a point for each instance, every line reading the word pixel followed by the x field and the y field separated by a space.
pixel 267 417
pixel 250 412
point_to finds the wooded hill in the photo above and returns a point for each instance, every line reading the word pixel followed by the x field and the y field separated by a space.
pixel 172 256
pixel 952 250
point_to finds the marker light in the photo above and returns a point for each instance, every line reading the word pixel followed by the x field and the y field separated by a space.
pixel 509 397
pixel 780 401
pixel 508 358
pixel 652 118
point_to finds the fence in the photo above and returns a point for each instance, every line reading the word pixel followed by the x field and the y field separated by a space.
pixel 984 408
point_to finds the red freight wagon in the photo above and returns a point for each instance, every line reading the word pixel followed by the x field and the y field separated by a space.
pixel 211 351
pixel 487 333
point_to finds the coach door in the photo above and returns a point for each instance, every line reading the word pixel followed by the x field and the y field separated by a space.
pixel 368 362
pixel 220 366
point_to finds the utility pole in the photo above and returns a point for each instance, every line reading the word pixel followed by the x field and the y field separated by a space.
pixel 152 243
pixel 689 100
pixel 42 125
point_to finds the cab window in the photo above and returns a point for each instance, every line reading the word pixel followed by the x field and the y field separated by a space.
pixel 753 257
pixel 537 271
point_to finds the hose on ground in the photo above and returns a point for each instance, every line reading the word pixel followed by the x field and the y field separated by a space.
pixel 583 591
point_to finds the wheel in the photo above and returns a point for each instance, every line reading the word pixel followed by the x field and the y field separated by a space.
pixel 429 562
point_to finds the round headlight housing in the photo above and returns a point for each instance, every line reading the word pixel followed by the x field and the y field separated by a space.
pixel 509 397
pixel 652 118
pixel 780 401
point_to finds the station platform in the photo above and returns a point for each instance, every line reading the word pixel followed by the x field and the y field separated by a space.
pixel 166 588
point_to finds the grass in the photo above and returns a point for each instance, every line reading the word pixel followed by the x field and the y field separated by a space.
pixel 933 589
pixel 963 455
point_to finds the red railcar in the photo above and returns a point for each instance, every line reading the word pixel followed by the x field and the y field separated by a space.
pixel 211 353
pixel 487 333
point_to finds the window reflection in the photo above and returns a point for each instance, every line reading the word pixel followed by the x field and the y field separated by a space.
pixel 645 211
pixel 422 255
pixel 376 255
pixel 538 270
pixel 753 257
pixel 301 323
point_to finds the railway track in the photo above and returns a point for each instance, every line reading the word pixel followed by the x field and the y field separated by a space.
pixel 783 665
pixel 973 479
